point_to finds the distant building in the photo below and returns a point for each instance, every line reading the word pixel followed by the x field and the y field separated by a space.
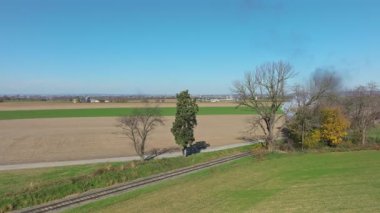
pixel 214 100
pixel 229 98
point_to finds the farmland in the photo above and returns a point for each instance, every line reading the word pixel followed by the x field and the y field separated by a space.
pixel 38 105
pixel 60 139
pixel 190 106
pixel 110 112
pixel 314 182
pixel 42 132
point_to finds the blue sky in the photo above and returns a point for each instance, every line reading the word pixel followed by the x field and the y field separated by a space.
pixel 164 46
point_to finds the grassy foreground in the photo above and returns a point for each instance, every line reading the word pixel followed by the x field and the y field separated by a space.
pixel 23 188
pixel 313 182
pixel 111 112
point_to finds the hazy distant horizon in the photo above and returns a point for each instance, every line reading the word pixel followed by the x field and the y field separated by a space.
pixel 105 94
pixel 163 47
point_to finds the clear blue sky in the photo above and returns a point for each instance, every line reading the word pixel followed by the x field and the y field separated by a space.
pixel 163 46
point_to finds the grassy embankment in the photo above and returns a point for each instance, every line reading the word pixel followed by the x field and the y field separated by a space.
pixel 111 112
pixel 312 182
pixel 29 187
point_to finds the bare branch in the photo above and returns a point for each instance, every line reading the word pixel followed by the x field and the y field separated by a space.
pixel 363 106
pixel 139 125
pixel 264 92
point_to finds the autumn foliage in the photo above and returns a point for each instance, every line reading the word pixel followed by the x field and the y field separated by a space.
pixel 331 131
pixel 313 139
pixel 334 126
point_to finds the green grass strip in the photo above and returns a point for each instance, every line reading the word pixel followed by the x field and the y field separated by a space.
pixel 24 188
pixel 314 182
pixel 111 112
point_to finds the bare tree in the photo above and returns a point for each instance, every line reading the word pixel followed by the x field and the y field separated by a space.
pixel 139 125
pixel 263 91
pixel 363 106
pixel 322 84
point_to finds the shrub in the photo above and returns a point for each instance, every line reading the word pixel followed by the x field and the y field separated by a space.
pixel 259 153
pixel 313 140
pixel 334 126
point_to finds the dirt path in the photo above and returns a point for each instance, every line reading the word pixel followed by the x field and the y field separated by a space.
pixel 105 160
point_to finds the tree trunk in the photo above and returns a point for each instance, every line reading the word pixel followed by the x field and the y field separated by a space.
pixel 184 151
pixel 270 142
pixel 303 135
pixel 364 134
pixel 270 146
pixel 271 139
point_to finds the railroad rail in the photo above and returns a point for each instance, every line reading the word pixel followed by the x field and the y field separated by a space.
pixel 87 197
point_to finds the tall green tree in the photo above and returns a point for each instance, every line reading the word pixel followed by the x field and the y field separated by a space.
pixel 185 120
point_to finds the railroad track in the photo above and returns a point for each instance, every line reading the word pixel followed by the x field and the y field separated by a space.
pixel 64 203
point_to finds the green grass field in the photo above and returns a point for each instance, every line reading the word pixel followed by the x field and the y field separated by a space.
pixel 111 112
pixel 23 188
pixel 374 133
pixel 313 182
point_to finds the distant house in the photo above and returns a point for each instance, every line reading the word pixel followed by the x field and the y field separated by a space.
pixel 214 100
pixel 229 98
pixel 87 99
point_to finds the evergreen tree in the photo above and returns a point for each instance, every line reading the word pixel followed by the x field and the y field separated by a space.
pixel 185 120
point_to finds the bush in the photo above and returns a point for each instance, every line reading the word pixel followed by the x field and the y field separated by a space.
pixel 334 126
pixel 373 140
pixel 259 153
pixel 313 140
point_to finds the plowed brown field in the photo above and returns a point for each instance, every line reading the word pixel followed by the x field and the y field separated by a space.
pixel 61 139
pixel 44 140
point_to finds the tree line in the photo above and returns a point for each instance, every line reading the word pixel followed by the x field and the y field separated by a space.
pixel 316 112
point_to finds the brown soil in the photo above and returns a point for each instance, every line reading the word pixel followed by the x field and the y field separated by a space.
pixel 44 140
